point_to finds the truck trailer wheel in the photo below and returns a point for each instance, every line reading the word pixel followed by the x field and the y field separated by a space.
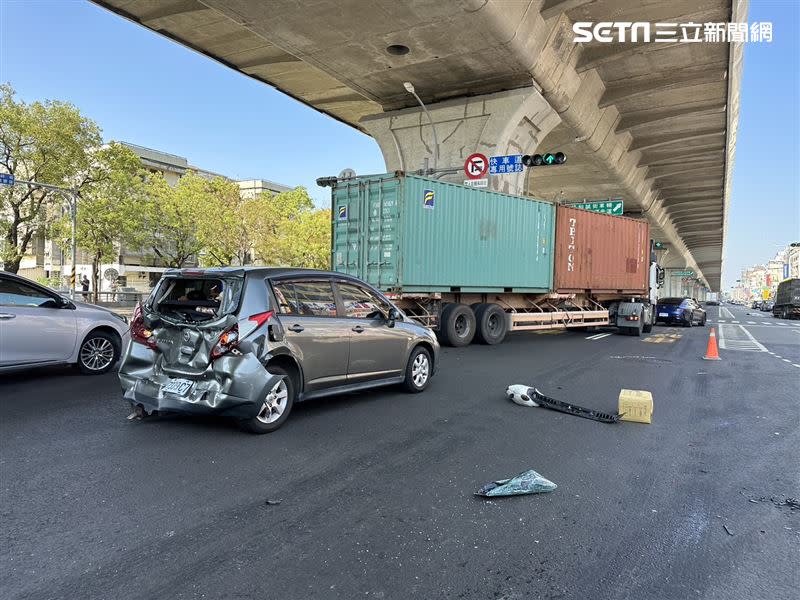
pixel 456 325
pixel 491 323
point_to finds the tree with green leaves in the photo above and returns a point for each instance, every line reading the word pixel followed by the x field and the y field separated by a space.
pixel 221 228
pixel 171 216
pixel 286 230
pixel 109 208
pixel 44 142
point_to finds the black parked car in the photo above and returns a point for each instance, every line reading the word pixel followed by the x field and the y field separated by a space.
pixel 686 311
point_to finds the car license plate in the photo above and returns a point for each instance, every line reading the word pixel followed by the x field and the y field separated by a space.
pixel 663 314
pixel 179 387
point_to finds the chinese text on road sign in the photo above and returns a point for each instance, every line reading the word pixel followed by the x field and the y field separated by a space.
pixel 610 207
pixel 477 183
pixel 498 165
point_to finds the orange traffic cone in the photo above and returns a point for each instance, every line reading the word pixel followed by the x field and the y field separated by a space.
pixel 711 352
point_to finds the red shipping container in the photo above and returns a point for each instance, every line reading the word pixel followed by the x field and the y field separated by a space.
pixel 600 253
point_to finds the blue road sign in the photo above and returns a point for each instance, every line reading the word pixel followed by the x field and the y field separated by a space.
pixel 6 179
pixel 501 165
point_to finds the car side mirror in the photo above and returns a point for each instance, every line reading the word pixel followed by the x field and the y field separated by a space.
pixel 394 316
pixel 51 303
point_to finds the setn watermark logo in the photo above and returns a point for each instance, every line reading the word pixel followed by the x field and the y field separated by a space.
pixel 643 31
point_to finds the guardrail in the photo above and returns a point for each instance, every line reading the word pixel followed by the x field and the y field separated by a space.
pixel 119 297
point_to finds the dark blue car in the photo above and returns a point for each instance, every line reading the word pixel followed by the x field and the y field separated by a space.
pixel 683 311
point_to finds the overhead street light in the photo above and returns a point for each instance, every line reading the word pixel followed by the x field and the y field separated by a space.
pixel 410 89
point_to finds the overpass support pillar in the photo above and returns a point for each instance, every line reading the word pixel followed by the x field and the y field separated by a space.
pixel 510 122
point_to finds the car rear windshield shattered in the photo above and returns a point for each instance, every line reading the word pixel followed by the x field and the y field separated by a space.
pixel 196 299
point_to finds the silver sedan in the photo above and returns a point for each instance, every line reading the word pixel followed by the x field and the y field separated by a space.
pixel 40 327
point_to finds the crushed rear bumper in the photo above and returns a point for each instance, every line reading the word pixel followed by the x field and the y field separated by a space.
pixel 232 386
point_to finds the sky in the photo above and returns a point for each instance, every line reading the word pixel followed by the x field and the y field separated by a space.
pixel 144 89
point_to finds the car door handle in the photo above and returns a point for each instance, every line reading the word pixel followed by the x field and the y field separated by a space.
pixel 296 328
pixel 358 329
pixel 7 316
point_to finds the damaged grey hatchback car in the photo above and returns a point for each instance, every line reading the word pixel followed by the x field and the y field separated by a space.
pixel 248 342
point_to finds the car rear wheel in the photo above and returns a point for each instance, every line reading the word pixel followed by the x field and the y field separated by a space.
pixel 418 370
pixel 276 406
pixel 703 322
pixel 98 353
pixel 491 324
pixel 457 325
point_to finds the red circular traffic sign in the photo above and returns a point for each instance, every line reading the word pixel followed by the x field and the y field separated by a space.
pixel 476 165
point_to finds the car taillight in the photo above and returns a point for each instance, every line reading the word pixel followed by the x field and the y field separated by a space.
pixel 632 318
pixel 139 333
pixel 261 318
pixel 228 340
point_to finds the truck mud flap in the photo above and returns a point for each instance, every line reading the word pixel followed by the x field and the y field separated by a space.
pixel 572 409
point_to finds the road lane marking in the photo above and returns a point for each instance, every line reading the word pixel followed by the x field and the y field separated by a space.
pixel 796 365
pixel 734 321
pixel 730 314
pixel 663 338
pixel 752 339
pixel 765 323
pixel 751 322
pixel 786 360
pixel 733 341
pixel 598 336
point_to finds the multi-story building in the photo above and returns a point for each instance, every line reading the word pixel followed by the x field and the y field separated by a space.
pixel 793 261
pixel 250 188
pixel 133 270
pixel 775 269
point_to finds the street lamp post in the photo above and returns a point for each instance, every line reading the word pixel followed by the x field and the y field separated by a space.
pixel 410 89
pixel 72 198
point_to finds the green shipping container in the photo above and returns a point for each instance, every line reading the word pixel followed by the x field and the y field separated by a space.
pixel 406 233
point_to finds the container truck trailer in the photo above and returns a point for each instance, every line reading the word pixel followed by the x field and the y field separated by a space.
pixel 475 264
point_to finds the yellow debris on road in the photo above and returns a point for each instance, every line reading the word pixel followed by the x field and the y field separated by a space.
pixel 636 406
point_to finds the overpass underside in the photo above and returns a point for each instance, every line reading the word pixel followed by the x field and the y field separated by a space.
pixel 653 123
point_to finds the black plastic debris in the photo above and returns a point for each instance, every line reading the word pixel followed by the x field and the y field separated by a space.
pixel 272 502
pixel 529 482
pixel 528 396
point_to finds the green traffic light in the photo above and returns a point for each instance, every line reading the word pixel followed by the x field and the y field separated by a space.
pixel 537 160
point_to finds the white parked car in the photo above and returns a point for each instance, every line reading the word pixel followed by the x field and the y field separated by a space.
pixel 40 327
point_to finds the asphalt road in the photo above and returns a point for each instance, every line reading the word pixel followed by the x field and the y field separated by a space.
pixel 376 489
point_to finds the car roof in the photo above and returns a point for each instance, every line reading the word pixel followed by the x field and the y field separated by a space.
pixel 266 272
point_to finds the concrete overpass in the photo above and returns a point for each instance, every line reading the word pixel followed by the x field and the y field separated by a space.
pixel 654 123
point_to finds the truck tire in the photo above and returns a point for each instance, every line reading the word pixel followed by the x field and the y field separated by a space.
pixel 456 325
pixel 491 324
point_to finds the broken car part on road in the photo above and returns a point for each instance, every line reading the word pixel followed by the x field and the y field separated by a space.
pixel 529 482
pixel 528 396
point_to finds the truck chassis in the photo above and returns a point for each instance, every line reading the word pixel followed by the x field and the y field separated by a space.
pixel 460 318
